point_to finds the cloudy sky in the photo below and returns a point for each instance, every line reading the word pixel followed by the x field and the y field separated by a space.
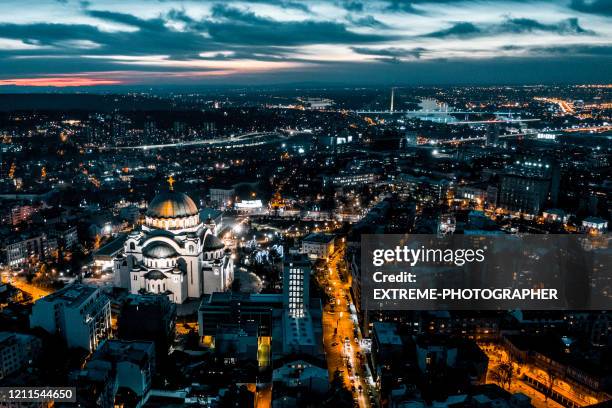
pixel 148 43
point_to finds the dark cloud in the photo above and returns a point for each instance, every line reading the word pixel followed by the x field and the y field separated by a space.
pixel 354 6
pixel 402 6
pixel 564 50
pixel 510 26
pixel 391 52
pixel 285 4
pixel 155 24
pixel 233 26
pixel 408 6
pixel 603 7
pixel 152 37
pixel 367 21
pixel 230 33
pixel 462 29
pixel 521 25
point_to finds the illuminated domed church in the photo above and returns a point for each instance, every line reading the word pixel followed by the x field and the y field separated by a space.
pixel 174 253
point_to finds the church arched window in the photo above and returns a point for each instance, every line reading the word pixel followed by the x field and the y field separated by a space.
pixel 132 246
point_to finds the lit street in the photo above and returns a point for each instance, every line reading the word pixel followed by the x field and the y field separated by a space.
pixel 34 291
pixel 343 352
pixel 498 355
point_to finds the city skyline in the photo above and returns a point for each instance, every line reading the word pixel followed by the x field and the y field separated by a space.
pixel 112 45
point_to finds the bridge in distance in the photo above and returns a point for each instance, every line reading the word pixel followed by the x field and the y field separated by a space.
pixel 245 139
pixel 507 116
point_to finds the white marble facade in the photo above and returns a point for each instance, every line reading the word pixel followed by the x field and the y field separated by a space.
pixel 174 253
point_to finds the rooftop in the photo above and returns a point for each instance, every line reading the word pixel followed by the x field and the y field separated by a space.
pixel 73 295
pixel 113 247
pixel 319 238
pixel 138 352
pixel 387 333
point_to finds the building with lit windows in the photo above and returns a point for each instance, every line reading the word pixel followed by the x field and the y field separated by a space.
pixel 16 351
pixel 346 179
pixel 222 197
pixel 527 185
pixel 280 324
pixel 80 314
pixel 296 282
pixel 298 328
pixel 594 225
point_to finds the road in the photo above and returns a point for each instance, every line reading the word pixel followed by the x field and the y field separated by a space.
pixel 263 396
pixel 250 138
pixel 30 289
pixel 497 354
pixel 342 351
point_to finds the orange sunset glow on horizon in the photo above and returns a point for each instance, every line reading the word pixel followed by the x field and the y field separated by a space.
pixel 59 82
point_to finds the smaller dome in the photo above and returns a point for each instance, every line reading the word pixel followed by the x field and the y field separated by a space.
pixel 155 275
pixel 211 243
pixel 159 250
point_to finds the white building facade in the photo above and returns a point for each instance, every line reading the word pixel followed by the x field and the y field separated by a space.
pixel 318 246
pixel 174 253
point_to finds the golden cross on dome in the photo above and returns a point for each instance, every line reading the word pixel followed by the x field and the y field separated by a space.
pixel 171 182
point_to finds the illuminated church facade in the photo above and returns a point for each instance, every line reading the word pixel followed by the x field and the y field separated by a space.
pixel 174 253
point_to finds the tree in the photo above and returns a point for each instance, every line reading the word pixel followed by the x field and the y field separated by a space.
pixel 503 374
pixel 551 376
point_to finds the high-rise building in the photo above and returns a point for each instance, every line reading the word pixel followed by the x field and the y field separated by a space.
pixel 78 313
pixel 493 134
pixel 148 317
pixel 301 323
pixel 528 184
pixel 296 282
